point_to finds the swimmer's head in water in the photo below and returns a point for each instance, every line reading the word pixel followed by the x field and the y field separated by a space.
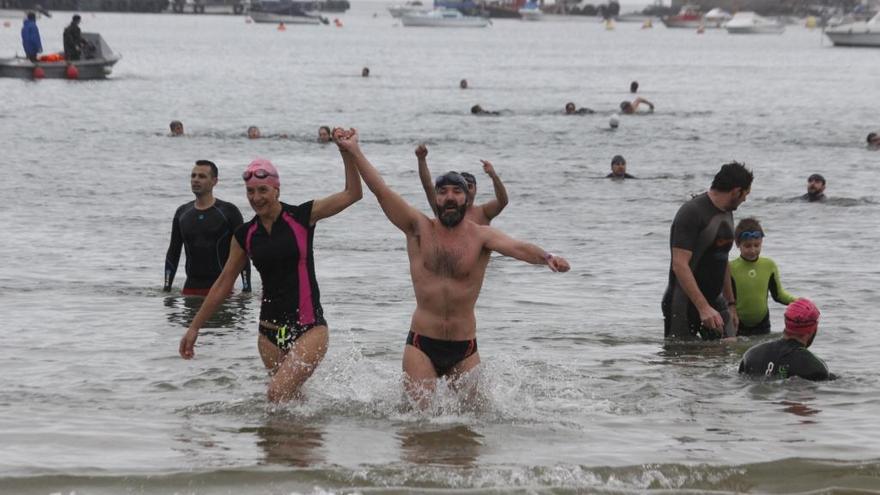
pixel 476 109
pixel 261 171
pixel 874 140
pixel 749 237
pixel 618 166
pixel 450 210
pixel 365 72
pixel 802 319
pixel 570 108
pixel 324 134
pixel 815 185
pixel 626 107
pixel 176 128
pixel 463 84
pixel 634 87
pixel 253 132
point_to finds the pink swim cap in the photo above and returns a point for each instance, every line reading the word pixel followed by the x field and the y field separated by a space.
pixel 261 171
pixel 801 317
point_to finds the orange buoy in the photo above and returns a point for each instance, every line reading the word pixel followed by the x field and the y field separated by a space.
pixel 39 73
pixel 281 26
pixel 72 72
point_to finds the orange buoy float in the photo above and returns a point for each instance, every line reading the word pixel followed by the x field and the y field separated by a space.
pixel 72 72
pixel 281 26
pixel 39 73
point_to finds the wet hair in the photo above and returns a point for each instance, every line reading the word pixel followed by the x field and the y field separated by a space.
pixel 469 177
pixel 731 176
pixel 624 105
pixel 76 18
pixel 570 105
pixel 618 160
pixel 476 109
pixel 634 87
pixel 749 224
pixel 817 177
pixel 365 72
pixel 209 163
pixel 175 123
pixel 871 137
pixel 463 84
pixel 326 128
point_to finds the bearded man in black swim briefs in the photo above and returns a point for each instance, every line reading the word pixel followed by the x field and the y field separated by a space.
pixel 448 257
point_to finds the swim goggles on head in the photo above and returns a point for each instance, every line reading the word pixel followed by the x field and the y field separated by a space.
pixel 258 173
pixel 751 234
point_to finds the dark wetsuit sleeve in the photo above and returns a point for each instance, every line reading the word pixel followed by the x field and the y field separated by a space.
pixel 172 257
pixel 808 366
pixel 685 228
pixel 235 221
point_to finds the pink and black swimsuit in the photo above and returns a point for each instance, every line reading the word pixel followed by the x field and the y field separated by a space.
pixel 291 300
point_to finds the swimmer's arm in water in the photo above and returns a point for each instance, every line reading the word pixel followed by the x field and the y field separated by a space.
pixel 641 100
pixel 335 203
pixel 425 177
pixel 403 215
pixel 172 257
pixel 218 293
pixel 730 297
pixel 777 291
pixel 710 317
pixel 495 240
pixel 494 207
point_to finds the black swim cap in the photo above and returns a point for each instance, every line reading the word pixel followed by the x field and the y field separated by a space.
pixel 451 179
pixel 618 160
pixel 817 177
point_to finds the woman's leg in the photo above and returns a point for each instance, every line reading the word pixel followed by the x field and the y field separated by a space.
pixel 292 368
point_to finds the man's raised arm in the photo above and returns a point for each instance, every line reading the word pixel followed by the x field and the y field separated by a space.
pixel 401 213
pixel 493 208
pixel 425 176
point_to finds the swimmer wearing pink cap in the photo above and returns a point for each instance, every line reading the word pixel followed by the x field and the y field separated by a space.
pixel 278 240
pixel 789 357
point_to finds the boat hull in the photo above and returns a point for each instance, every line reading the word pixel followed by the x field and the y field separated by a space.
pixel 424 21
pixel 22 68
pixel 531 14
pixel 755 29
pixel 855 39
pixel 273 18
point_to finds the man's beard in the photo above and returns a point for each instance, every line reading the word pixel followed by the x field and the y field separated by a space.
pixel 452 218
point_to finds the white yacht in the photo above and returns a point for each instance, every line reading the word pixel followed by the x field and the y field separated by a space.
pixel 752 23
pixel 857 33
pixel 443 18
pixel 412 7
pixel 531 12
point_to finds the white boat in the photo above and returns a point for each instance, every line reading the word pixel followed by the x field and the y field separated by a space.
pixel 286 11
pixel 443 18
pixel 413 7
pixel 752 23
pixel 97 62
pixel 716 18
pixel 531 12
pixel 857 33
pixel 275 18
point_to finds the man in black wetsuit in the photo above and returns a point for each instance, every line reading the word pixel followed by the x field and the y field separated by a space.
pixel 73 40
pixel 204 227
pixel 788 356
pixel 700 238
pixel 815 189
pixel 618 169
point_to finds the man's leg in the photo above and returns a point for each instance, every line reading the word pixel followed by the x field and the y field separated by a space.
pixel 420 377
pixel 292 369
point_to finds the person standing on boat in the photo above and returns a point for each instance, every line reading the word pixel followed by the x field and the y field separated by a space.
pixel 30 37
pixel 73 40
pixel 479 214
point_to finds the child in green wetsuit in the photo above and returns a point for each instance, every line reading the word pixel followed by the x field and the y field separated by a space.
pixel 753 277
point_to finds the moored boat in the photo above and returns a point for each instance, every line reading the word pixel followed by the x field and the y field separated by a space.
pixel 397 11
pixel 443 18
pixel 531 12
pixel 97 62
pixel 286 11
pixel 752 23
pixel 863 33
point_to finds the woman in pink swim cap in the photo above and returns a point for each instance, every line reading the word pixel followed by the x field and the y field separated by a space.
pixel 293 334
